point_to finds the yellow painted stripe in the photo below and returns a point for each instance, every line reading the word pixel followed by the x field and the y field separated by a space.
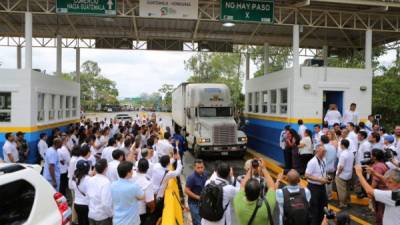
pixel 37 128
pixel 283 119
pixel 273 167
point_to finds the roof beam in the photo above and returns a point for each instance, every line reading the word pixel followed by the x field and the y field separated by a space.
pixel 73 26
pixel 361 2
pixel 9 24
pixel 301 4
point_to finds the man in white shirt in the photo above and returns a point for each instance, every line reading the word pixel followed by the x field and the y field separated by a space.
pixel 145 184
pixel 99 194
pixel 10 151
pixel 163 146
pixel 333 116
pixel 223 175
pixel 302 128
pixel 112 171
pixel 351 116
pixel 317 180
pixel 352 136
pixel 370 122
pixel 344 173
pixel 161 176
pixel 282 137
pixel 42 145
pixel 64 156
pixel 107 151
pixel 364 146
pixel 375 140
pixel 391 215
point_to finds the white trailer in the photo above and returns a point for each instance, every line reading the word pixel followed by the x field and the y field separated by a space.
pixel 205 112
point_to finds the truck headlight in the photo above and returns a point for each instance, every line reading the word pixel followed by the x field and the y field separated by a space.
pixel 242 139
pixel 204 140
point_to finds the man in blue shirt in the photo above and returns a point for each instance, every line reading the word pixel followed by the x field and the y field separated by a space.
pixel 126 196
pixel 194 185
pixel 181 142
pixel 52 164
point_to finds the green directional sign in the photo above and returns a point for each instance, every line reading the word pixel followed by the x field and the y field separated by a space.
pixel 89 7
pixel 247 10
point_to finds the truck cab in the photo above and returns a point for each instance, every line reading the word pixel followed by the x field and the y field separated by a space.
pixel 205 112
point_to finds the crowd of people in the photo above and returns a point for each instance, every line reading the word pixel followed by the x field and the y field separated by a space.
pixel 345 155
pixel 116 172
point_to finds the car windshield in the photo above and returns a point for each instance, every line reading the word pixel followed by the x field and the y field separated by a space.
pixel 215 111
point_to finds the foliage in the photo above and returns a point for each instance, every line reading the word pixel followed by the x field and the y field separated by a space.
pixel 95 88
pixel 218 68
pixel 278 59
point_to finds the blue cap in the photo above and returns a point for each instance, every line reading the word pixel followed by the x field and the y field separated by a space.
pixel 389 138
pixel 82 164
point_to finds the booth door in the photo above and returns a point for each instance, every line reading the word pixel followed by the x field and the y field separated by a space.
pixel 333 97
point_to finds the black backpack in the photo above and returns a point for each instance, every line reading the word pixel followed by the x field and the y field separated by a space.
pixel 296 210
pixel 211 205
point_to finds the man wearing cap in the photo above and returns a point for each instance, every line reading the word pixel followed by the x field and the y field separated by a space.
pixel 22 146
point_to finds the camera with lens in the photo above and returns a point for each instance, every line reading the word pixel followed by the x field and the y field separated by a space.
pixel 367 159
pixel 329 178
pixel 396 197
pixel 255 163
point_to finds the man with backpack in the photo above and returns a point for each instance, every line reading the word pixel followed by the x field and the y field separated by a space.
pixel 252 205
pixel 217 196
pixel 294 202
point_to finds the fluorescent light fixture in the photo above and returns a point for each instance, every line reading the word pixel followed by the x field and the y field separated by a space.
pixel 228 24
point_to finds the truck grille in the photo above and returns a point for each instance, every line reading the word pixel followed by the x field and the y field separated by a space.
pixel 224 135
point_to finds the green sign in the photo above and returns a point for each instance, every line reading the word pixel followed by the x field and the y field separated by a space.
pixel 247 10
pixel 90 7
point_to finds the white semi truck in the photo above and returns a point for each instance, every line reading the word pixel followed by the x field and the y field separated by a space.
pixel 206 111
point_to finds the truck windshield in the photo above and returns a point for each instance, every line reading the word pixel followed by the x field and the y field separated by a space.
pixel 215 112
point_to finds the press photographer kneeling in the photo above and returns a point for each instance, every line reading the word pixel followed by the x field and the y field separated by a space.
pixel 391 197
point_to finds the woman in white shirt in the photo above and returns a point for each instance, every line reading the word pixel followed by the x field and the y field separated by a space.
pixel 306 150
pixel 79 184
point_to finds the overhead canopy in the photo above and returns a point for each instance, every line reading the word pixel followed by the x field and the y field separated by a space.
pixel 336 23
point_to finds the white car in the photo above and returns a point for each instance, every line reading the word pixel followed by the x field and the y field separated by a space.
pixel 27 198
pixel 123 117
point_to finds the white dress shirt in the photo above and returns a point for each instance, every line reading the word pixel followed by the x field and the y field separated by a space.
pixel 346 161
pixel 112 170
pixel 10 148
pixel 332 117
pixel 64 156
pixel 145 184
pixel 354 138
pixel 350 116
pixel 301 130
pixel 80 191
pixel 107 153
pixel 158 174
pixel 365 147
pixel 316 168
pixel 42 147
pixel 229 193
pixel 99 194
pixel 164 147
pixel 72 167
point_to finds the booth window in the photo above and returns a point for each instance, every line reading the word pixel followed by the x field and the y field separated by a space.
pixel 52 106
pixel 40 113
pixel 264 101
pixel 250 102
pixel 74 106
pixel 273 101
pixel 257 101
pixel 68 107
pixel 5 106
pixel 283 100
pixel 60 109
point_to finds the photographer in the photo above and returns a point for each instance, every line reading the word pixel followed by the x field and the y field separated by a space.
pixel 331 218
pixel 252 204
pixel 253 166
pixel 388 197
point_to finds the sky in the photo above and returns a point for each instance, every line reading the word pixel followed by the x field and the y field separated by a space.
pixel 134 71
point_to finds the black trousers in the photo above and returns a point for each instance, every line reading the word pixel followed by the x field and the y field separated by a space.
pixel 64 184
pixel 82 211
pixel 318 201
pixel 287 154
pixel 304 158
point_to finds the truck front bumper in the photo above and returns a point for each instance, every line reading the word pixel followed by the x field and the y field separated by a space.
pixel 225 150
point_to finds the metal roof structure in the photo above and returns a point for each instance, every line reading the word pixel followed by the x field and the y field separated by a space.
pixel 337 23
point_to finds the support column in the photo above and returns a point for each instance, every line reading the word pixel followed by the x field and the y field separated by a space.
pixel 368 49
pixel 247 66
pixel 266 58
pixel 19 57
pixel 296 50
pixel 78 64
pixel 28 40
pixel 59 55
pixel 325 58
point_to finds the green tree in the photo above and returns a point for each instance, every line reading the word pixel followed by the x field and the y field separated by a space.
pixel 218 68
pixel 278 59
pixel 95 88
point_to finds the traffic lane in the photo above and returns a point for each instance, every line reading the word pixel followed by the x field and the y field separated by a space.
pixel 165 116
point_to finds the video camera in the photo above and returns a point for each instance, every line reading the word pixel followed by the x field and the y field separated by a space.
pixel 396 197
pixel 367 159
pixel 330 216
